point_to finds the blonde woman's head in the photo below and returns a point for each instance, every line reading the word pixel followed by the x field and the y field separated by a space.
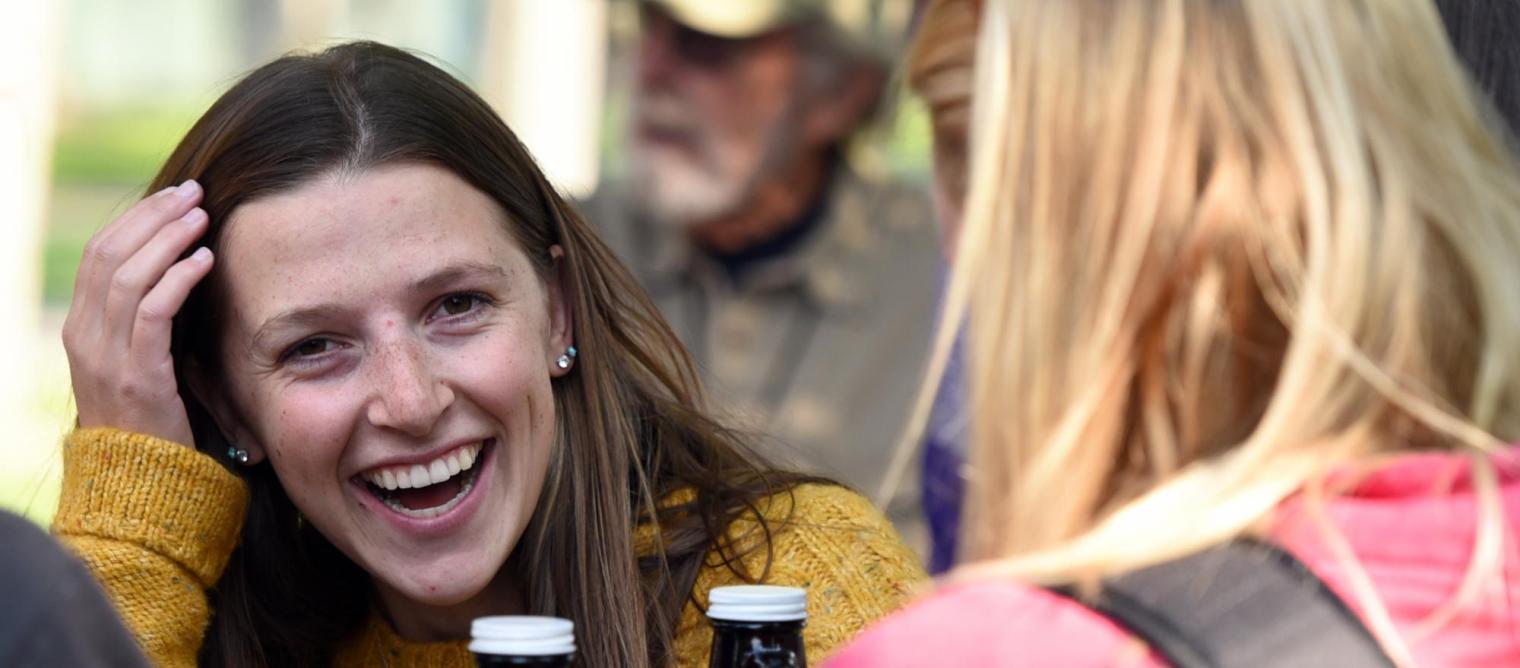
pixel 1212 250
pixel 940 73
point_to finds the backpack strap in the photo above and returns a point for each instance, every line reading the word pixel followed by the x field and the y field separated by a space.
pixel 1245 604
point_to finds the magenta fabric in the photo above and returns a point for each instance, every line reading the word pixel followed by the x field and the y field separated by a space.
pixel 1411 524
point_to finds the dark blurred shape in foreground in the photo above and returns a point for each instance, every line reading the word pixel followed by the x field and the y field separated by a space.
pixel 1484 34
pixel 52 613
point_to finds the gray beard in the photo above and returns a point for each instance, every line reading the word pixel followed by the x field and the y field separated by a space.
pixel 677 191
pixel 680 191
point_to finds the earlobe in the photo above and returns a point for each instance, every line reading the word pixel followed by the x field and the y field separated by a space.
pixel 562 350
pixel 244 449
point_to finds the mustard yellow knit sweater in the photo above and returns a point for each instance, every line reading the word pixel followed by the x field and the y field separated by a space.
pixel 157 521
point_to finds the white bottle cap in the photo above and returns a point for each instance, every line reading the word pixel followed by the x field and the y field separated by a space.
pixel 757 603
pixel 522 636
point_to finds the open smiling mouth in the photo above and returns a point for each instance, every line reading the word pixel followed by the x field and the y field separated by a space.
pixel 428 490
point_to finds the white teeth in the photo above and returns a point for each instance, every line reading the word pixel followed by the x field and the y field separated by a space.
pixel 422 475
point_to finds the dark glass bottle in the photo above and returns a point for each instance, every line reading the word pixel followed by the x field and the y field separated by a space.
pixel 757 626
pixel 523 642
pixel 502 661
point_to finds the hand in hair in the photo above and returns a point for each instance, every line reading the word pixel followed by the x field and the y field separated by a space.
pixel 131 282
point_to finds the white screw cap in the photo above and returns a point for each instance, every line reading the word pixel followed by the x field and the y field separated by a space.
pixel 522 636
pixel 757 603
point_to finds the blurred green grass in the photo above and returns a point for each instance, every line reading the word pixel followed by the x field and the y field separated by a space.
pixel 120 145
pixel 102 162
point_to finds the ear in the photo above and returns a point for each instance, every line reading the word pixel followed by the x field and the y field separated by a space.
pixel 831 118
pixel 561 325
pixel 227 418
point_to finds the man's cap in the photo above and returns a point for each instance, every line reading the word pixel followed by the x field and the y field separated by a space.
pixel 736 18
pixel 869 22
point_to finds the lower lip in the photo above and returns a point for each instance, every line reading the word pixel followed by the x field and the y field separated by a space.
pixel 443 524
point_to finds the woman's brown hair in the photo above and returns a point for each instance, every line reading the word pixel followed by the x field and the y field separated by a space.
pixel 631 430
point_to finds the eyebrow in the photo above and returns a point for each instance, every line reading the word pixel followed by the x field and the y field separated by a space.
pixel 313 315
pixel 455 273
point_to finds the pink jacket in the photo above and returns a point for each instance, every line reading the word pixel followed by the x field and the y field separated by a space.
pixel 1411 525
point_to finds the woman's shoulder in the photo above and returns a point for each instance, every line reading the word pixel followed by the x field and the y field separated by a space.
pixel 821 537
pixel 814 530
pixel 819 530
pixel 825 505
pixel 995 623
pixel 802 512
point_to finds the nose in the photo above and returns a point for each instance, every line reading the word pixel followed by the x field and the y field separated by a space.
pixel 657 57
pixel 409 396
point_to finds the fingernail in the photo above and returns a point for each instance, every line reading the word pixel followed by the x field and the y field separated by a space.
pixel 201 254
pixel 188 189
pixel 195 217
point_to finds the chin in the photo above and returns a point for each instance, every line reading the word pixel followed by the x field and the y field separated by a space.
pixel 439 584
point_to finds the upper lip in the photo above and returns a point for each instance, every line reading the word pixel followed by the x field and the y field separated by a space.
pixel 420 457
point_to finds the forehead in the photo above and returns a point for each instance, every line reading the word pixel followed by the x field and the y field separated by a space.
pixel 405 200
pixel 356 235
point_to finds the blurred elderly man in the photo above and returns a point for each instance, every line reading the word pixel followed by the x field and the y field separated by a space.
pixel 805 290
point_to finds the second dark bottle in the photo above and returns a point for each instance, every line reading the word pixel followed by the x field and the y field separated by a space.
pixel 757 626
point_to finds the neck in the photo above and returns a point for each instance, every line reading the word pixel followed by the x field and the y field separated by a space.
pixel 419 622
pixel 776 205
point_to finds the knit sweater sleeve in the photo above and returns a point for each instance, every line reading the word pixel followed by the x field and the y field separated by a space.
pixel 832 542
pixel 156 522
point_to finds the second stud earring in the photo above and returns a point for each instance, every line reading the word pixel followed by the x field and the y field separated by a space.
pixel 565 359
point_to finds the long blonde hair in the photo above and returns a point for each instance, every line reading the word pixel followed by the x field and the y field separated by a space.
pixel 1212 251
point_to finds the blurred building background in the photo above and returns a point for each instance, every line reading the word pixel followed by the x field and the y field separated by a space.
pixel 95 93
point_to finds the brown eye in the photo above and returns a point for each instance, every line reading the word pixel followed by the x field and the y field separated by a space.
pixel 457 304
pixel 311 348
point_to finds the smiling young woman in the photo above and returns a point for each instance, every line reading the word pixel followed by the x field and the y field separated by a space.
pixel 438 395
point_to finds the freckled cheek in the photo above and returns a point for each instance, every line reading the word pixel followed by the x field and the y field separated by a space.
pixel 308 434
pixel 498 373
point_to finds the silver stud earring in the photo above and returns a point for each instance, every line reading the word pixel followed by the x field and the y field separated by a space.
pixel 564 360
pixel 237 454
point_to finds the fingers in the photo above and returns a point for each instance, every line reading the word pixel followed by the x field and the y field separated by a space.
pixel 120 240
pixel 118 330
pixel 139 273
pixel 155 313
